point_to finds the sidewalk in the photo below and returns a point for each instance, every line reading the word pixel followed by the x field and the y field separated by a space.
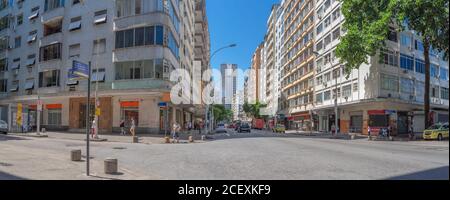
pixel 143 138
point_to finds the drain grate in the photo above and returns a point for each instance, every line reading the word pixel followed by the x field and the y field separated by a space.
pixel 5 164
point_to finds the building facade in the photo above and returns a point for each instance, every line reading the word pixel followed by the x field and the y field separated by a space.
pixel 389 91
pixel 132 46
pixel 229 84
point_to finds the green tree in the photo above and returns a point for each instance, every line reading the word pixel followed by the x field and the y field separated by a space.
pixel 221 113
pixel 367 24
pixel 253 110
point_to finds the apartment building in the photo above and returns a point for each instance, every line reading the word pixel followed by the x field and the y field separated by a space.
pixel 229 84
pixel 271 79
pixel 254 81
pixel 389 91
pixel 132 46
pixel 298 63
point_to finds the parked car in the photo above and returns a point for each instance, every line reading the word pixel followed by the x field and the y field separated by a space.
pixel 221 128
pixel 3 127
pixel 244 127
pixel 436 132
pixel 279 128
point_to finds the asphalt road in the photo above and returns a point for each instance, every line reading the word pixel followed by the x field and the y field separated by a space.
pixel 257 156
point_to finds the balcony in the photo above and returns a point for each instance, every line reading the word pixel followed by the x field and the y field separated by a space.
pixel 52 14
pixel 152 84
pixel 51 39
pixel 50 65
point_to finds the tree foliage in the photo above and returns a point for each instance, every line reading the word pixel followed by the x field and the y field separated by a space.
pixel 253 110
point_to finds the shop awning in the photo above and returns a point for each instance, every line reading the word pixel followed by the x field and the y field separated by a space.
pixel 53 106
pixel 129 104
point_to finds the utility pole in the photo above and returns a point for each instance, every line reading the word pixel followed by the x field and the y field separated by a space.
pixel 88 109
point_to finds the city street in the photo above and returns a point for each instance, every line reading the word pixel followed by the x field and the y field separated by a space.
pixel 259 155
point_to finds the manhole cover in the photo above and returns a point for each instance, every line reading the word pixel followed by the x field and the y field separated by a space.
pixel 5 164
pixel 119 148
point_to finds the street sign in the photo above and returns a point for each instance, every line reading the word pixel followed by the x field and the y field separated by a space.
pixel 98 112
pixel 79 70
pixel 19 114
pixel 162 104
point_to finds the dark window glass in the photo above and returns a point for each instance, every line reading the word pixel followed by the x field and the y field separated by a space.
pixel 150 35
pixel 159 35
pixel 129 38
pixel 139 37
pixel 120 39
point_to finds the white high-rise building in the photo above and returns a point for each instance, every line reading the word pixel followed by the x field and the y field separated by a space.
pixel 133 46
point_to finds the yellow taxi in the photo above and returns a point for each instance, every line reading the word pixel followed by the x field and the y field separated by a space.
pixel 436 132
pixel 279 129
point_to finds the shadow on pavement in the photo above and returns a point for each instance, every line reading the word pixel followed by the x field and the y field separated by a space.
pixel 6 176
pixel 432 174
pixel 9 137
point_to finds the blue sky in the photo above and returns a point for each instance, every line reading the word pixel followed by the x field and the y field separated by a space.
pixel 237 21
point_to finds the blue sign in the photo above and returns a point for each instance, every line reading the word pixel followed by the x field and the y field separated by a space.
pixel 80 70
pixel 162 104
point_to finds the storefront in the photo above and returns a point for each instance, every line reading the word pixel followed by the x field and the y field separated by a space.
pixel 301 121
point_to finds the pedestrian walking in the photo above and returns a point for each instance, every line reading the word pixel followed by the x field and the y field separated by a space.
pixel 369 132
pixel 93 129
pixel 122 127
pixel 133 127
pixel 175 132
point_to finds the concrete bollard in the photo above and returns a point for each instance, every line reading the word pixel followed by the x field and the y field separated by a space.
pixel 43 130
pixel 203 138
pixel 75 155
pixel 191 139
pixel 353 136
pixel 111 166
pixel 135 139
pixel 391 138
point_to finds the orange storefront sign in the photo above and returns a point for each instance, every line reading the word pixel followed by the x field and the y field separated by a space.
pixel 53 106
pixel 129 104
pixel 165 97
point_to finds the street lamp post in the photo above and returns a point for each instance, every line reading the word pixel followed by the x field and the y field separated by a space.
pixel 208 108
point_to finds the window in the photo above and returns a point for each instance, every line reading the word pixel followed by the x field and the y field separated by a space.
pixel 337 13
pixel 98 75
pixel 50 52
pixel 49 78
pixel 347 91
pixel 406 40
pixel 419 45
pixel 53 27
pixel 3 65
pixel 99 46
pixel 16 64
pixel 389 58
pixel 32 36
pixel 4 23
pixel 75 23
pixel 420 66
pixel 29 84
pixel 355 87
pixel 406 86
pixel 319 29
pixel 444 93
pixel 327 22
pixel 54 117
pixel 140 36
pixel 139 69
pixel 319 98
pixel 327 95
pixel 19 19
pixel 75 2
pixel 327 40
pixel 17 42
pixel 434 91
pixel 443 74
pixel 31 60
pixel 392 35
pixel 15 86
pixel 126 8
pixel 337 33
pixel 389 82
pixel 434 71
pixel 74 50
pixel 53 4
pixel 420 91
pixel 34 13
pixel 100 17
pixel 3 85
pixel 406 62
pixel 319 46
